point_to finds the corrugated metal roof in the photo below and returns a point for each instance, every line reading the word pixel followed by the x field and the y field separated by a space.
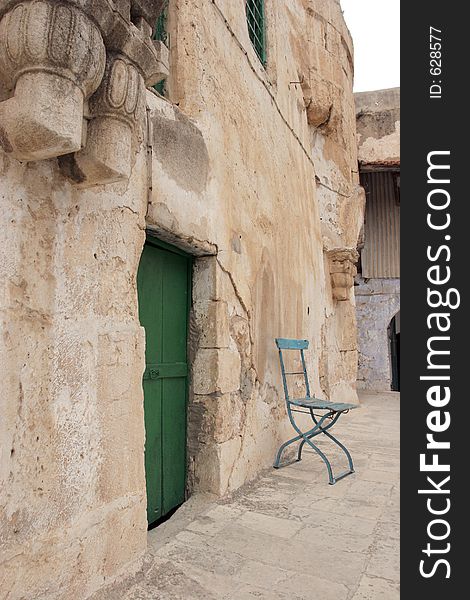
pixel 381 254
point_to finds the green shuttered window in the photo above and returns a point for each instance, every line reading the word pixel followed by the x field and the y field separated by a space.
pixel 257 27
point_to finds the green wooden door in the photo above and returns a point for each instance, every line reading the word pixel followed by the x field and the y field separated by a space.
pixel 163 287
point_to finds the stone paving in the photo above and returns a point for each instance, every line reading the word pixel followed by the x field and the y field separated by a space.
pixel 289 535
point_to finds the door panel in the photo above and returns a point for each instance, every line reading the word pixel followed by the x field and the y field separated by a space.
pixel 153 449
pixel 163 287
pixel 174 456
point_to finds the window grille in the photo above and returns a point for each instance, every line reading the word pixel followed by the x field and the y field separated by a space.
pixel 257 27
pixel 161 34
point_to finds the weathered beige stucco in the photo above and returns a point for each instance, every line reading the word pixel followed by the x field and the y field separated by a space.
pixel 378 127
pixel 251 170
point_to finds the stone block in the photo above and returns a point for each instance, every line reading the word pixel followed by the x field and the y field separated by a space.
pixel 205 371
pixel 342 271
pixel 216 418
pixel 228 453
pixel 207 469
pixel 147 9
pixel 207 280
pixel 34 126
pixel 163 60
pixel 321 583
pixel 282 528
pixel 213 324
pixel 216 371
pixel 345 326
pixel 214 466
pixel 129 539
pixel 374 588
pixel 318 101
pixel 106 157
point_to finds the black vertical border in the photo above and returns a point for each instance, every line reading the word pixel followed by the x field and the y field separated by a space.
pixel 428 125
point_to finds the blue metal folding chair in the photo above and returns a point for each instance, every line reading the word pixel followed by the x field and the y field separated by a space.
pixel 333 411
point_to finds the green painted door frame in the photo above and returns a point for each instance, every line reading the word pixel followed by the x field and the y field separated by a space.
pixel 164 290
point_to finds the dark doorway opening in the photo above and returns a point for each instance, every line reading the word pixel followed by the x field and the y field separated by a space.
pixel 394 344
pixel 165 518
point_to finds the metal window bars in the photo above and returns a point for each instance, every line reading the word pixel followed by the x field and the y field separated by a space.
pixel 161 34
pixel 255 17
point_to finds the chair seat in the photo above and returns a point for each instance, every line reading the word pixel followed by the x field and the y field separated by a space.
pixel 322 404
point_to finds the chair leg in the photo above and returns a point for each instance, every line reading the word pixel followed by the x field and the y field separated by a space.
pixel 301 436
pixel 318 430
pixel 321 429
pixel 324 458
pixel 343 448
pixel 282 448
pixel 338 443
pixel 306 438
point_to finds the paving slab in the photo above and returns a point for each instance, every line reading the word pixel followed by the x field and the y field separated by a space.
pixel 288 535
pixel 372 588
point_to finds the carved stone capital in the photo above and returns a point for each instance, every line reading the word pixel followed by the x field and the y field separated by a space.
pixel 342 263
pixel 52 59
pixel 61 100
pixel 114 110
pixel 120 95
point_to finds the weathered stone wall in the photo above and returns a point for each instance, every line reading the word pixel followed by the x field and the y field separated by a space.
pixel 243 167
pixel 72 489
pixel 222 180
pixel 378 127
pixel 72 482
pixel 331 116
pixel 377 302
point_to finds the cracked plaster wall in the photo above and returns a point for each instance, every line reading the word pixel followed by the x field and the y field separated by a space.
pixel 378 127
pixel 222 181
pixel 72 483
pixel 234 172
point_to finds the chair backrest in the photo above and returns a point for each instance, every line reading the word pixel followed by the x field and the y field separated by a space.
pixel 300 346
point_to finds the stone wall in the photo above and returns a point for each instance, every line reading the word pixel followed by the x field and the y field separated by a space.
pixel 72 478
pixel 378 127
pixel 274 247
pixel 251 170
pixel 331 116
pixel 377 302
pixel 72 482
